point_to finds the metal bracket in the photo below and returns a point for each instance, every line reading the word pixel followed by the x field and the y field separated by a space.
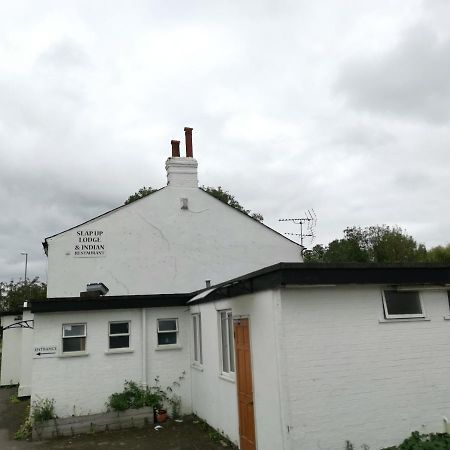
pixel 22 324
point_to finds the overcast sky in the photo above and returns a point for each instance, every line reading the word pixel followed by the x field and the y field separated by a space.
pixel 338 106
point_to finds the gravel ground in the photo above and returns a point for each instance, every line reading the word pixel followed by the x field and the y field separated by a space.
pixel 173 436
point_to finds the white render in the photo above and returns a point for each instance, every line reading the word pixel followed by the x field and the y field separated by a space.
pixel 154 246
pixel 81 384
pixel 25 354
pixel 11 361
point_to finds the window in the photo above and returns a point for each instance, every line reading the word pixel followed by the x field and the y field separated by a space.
pixel 119 335
pixel 402 304
pixel 197 324
pixel 227 344
pixel 74 337
pixel 167 331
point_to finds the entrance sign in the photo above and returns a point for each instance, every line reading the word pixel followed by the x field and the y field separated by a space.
pixel 89 243
pixel 44 351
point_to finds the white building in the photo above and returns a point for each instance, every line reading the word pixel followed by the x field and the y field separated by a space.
pixel 283 356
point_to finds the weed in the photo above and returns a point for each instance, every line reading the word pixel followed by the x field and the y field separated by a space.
pixel 43 409
pixel 14 399
pixel 24 431
pixel 214 434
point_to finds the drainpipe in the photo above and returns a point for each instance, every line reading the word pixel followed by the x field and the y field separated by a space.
pixel 144 348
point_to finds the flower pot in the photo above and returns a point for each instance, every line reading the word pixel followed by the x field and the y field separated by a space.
pixel 161 415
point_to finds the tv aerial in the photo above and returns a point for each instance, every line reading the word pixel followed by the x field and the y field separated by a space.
pixel 307 225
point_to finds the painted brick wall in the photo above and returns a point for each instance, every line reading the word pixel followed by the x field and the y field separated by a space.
pixel 348 377
pixel 82 384
pixel 214 398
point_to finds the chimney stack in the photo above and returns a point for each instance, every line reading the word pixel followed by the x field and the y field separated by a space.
pixel 188 136
pixel 175 149
pixel 182 171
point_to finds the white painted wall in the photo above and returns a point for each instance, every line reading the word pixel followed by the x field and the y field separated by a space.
pixel 11 359
pixel 82 384
pixel 153 246
pixel 349 377
pixel 26 355
pixel 215 398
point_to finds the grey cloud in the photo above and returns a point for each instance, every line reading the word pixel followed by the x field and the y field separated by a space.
pixel 65 54
pixel 413 79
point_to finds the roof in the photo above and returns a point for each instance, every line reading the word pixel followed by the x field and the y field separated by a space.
pixel 322 274
pixel 271 277
pixel 108 302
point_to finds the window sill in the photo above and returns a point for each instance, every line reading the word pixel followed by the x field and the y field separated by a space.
pixel 227 377
pixel 410 319
pixel 73 354
pixel 447 317
pixel 168 347
pixel 113 351
pixel 197 367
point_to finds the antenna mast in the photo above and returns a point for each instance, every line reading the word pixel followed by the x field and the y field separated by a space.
pixel 310 220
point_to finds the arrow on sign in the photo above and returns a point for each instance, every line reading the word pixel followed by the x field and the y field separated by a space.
pixel 42 353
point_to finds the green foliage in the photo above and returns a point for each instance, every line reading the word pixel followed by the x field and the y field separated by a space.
pixel 417 441
pixel 14 399
pixel 214 434
pixel 136 396
pixel 439 254
pixel 143 192
pixel 24 431
pixel 375 244
pixel 14 293
pixel 43 409
pixel 226 197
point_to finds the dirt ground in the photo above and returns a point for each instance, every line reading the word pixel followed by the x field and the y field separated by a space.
pixel 187 435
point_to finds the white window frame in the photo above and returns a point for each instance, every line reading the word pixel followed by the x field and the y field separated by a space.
pixel 403 316
pixel 197 338
pixel 119 334
pixel 226 343
pixel 76 336
pixel 158 332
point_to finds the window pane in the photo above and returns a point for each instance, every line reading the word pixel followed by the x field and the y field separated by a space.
pixel 167 338
pixel 225 348
pixel 74 330
pixel 118 328
pixel 119 341
pixel 74 344
pixel 167 325
pixel 402 302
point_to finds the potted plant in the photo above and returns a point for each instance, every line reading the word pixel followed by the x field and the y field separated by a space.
pixel 160 414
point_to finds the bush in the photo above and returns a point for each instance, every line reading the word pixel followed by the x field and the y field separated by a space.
pixel 43 409
pixel 417 441
pixel 136 396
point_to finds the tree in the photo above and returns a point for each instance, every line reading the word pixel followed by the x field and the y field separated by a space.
pixel 226 197
pixel 13 294
pixel 143 192
pixel 439 254
pixel 219 193
pixel 378 244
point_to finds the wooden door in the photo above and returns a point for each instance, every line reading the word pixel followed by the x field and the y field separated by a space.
pixel 244 384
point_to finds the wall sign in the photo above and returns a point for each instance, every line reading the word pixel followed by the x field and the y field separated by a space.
pixel 89 244
pixel 45 351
